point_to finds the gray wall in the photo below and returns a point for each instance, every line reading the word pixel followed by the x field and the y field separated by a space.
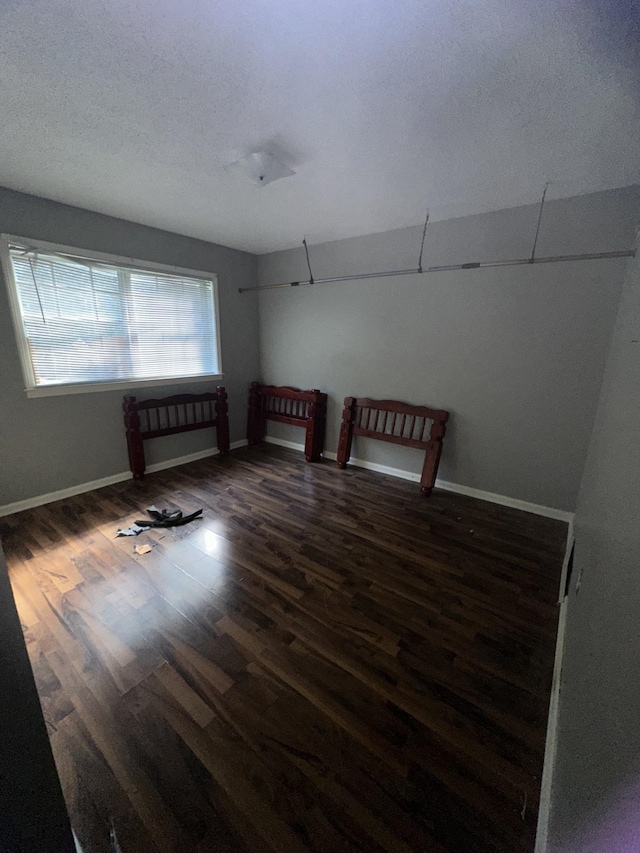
pixel 53 443
pixel 596 786
pixel 516 354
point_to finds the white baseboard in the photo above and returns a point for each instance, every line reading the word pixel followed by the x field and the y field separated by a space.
pixel 503 500
pixel 551 742
pixel 292 445
pixel 61 494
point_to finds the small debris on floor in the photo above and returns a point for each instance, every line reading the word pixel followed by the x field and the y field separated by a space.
pixel 133 530
pixel 168 518
pixel 524 807
pixel 159 514
pixel 141 549
pixel 159 518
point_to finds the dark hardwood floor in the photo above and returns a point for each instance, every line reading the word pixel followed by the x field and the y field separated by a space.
pixel 327 661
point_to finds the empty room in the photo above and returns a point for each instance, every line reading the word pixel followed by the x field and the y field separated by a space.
pixel 319 426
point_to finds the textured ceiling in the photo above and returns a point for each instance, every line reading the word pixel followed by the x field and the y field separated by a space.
pixel 382 107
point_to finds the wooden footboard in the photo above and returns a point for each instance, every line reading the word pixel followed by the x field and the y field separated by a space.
pixel 288 405
pixel 398 423
pixel 145 419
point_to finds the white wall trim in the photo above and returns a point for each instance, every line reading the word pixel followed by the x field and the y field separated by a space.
pixel 61 494
pixel 551 742
pixel 503 500
pixel 99 387
pixel 565 562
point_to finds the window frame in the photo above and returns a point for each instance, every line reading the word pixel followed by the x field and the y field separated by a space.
pixel 34 390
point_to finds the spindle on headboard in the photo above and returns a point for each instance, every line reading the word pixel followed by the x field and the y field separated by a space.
pixel 162 417
pixel 357 420
pixel 288 405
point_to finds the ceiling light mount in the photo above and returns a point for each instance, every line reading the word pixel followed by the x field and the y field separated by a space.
pixel 261 168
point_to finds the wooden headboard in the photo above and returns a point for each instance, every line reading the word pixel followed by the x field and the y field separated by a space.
pixel 398 423
pixel 145 419
pixel 288 405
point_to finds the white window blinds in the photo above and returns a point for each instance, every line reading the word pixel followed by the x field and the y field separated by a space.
pixel 86 321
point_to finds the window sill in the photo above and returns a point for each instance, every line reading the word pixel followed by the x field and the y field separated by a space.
pixel 93 387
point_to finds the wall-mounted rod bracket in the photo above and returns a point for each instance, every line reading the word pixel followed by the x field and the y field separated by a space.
pixel 306 251
pixel 535 239
pixel 424 234
pixel 554 259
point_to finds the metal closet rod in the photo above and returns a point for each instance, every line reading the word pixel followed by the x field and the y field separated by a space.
pixel 553 259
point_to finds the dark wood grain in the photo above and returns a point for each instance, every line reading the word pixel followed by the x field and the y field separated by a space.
pixel 324 661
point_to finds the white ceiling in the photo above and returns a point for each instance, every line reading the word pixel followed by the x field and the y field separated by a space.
pixel 382 107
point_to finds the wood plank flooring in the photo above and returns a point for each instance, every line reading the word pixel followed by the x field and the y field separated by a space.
pixel 326 661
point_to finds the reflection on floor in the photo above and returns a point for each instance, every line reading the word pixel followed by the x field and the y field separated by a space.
pixel 326 661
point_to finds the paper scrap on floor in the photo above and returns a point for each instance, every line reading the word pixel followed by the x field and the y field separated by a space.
pixel 131 531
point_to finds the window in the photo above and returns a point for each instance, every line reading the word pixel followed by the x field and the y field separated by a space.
pixel 93 322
